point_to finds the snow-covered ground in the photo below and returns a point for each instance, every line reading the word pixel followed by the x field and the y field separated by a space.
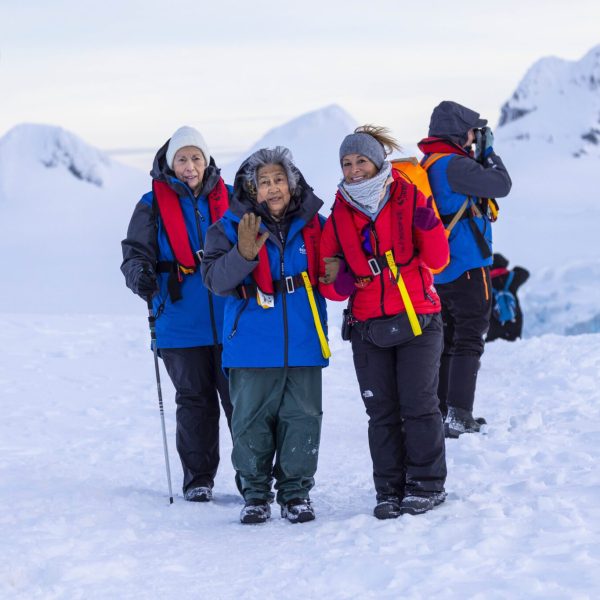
pixel 85 510
pixel 82 481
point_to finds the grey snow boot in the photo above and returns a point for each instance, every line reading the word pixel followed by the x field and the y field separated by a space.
pixel 459 421
pixel 298 510
pixel 417 505
pixel 255 511
pixel 387 508
pixel 198 494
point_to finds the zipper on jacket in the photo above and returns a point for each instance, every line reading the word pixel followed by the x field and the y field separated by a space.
pixel 211 307
pixel 237 318
pixel 283 297
pixel 425 292
pixel 381 277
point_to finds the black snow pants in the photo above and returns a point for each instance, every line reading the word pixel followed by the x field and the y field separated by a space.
pixel 197 376
pixel 466 310
pixel 399 390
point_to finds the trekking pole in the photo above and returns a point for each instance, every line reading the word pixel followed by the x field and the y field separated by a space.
pixel 151 321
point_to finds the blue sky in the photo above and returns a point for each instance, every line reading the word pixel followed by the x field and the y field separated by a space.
pixel 126 74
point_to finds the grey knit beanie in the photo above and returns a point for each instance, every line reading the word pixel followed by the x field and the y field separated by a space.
pixel 365 145
pixel 186 136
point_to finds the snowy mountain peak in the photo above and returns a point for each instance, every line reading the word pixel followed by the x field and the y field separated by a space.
pixel 558 102
pixel 314 139
pixel 54 147
pixel 330 121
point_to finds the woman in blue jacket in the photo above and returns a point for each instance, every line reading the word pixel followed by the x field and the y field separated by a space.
pixel 263 255
pixel 161 254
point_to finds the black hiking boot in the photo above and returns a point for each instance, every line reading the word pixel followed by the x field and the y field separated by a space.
pixel 387 508
pixel 459 421
pixel 198 494
pixel 417 505
pixel 298 510
pixel 255 511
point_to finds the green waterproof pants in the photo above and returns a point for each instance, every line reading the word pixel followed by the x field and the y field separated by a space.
pixel 276 415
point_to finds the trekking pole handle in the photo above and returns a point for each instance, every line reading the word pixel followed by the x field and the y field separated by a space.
pixel 151 322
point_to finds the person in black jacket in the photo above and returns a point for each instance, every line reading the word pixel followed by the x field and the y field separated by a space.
pixel 511 329
pixel 187 191
pixel 462 182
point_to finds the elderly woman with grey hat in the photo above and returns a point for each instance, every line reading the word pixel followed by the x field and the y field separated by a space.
pixel 389 237
pixel 263 256
pixel 161 257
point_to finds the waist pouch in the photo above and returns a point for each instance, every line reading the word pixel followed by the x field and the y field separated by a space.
pixel 391 331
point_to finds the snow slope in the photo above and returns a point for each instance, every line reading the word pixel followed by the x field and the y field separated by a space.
pixel 82 481
pixel 64 208
pixel 85 510
pixel 314 139
pixel 557 104
pixel 549 222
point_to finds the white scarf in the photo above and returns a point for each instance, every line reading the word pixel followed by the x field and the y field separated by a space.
pixel 367 195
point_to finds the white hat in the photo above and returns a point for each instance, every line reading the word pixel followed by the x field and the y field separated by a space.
pixel 186 136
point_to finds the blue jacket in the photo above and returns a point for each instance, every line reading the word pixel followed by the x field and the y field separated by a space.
pixel 464 251
pixel 196 319
pixel 256 337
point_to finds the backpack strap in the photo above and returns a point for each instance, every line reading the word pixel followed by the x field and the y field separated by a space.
pixel 458 215
pixel 432 159
pixel 509 281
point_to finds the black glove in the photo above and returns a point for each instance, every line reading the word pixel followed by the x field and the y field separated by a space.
pixel 146 284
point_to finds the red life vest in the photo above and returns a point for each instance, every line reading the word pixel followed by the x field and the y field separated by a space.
pixel 172 218
pixel 311 234
pixel 391 233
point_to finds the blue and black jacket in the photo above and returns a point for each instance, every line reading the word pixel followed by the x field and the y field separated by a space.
pixel 197 318
pixel 256 337
pixel 455 178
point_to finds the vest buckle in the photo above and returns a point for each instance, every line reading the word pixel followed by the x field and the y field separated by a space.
pixel 200 255
pixel 289 284
pixel 374 266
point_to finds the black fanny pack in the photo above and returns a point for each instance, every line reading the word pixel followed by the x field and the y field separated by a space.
pixel 391 331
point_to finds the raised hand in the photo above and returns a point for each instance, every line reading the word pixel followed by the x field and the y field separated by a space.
pixel 249 242
pixel 425 217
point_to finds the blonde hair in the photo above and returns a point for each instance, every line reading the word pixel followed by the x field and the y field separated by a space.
pixel 382 135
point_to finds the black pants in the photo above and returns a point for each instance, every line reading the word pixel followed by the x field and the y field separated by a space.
pixel 466 309
pixel 197 376
pixel 399 389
